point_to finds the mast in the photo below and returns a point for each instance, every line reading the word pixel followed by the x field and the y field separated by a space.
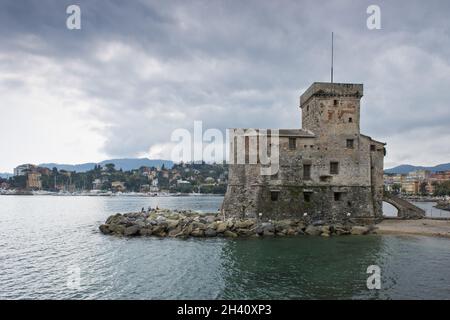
pixel 332 55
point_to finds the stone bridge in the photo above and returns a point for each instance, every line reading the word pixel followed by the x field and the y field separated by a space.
pixel 406 210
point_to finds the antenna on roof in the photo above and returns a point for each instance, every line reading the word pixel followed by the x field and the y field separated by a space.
pixel 332 55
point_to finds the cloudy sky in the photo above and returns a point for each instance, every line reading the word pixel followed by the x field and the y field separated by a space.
pixel 139 69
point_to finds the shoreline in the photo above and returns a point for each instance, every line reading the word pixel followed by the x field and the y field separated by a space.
pixel 422 227
pixel 55 194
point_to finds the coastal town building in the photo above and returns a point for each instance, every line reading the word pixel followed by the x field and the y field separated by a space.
pixel 415 182
pixel 328 170
pixel 34 180
pixel 23 169
pixel 97 184
pixel 118 186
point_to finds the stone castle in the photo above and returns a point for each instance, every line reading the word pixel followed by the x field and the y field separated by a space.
pixel 328 170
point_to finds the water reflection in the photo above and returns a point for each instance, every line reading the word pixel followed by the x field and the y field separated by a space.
pixel 300 268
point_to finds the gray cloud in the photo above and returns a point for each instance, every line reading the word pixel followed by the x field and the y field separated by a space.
pixel 148 67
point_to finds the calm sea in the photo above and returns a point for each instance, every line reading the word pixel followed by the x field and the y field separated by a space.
pixel 50 248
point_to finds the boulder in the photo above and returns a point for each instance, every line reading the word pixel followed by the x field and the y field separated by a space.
pixel 212 226
pixel 359 230
pixel 210 219
pixel 197 233
pixel 318 223
pixel 230 234
pixel 160 233
pixel 175 232
pixel 245 232
pixel 244 224
pixel 114 219
pixel 131 230
pixel 117 228
pixel 268 226
pixel 210 232
pixel 291 232
pixel 221 227
pixel 160 219
pixel 340 229
pixel 313 230
pixel 268 233
pixel 199 225
pixel 146 231
pixel 104 228
pixel 326 231
pixel 281 226
pixel 171 224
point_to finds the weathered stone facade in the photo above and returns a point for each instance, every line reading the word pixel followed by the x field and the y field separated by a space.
pixel 328 170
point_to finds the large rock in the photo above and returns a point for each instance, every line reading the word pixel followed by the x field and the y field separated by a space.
pixel 210 219
pixel 326 231
pixel 340 229
pixel 131 230
pixel 146 231
pixel 359 230
pixel 197 233
pixel 230 234
pixel 114 219
pixel 245 232
pixel 176 232
pixel 244 224
pixel 222 227
pixel 268 226
pixel 160 219
pixel 210 232
pixel 282 226
pixel 117 228
pixel 104 228
pixel 313 230
pixel 171 224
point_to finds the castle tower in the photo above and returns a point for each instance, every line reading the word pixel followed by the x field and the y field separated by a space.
pixel 332 108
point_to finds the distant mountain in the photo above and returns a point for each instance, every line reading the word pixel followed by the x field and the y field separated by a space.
pixel 405 168
pixel 124 164
pixel 5 175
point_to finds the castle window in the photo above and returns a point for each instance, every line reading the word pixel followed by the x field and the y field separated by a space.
pixel 307 196
pixel 350 120
pixel 292 143
pixel 335 102
pixel 350 143
pixel 274 195
pixel 307 108
pixel 306 171
pixel 337 196
pixel 373 147
pixel 334 167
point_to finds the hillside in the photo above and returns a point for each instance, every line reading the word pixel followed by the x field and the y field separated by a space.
pixel 124 164
pixel 405 168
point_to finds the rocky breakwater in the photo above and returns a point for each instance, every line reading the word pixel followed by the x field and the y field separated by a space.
pixel 183 224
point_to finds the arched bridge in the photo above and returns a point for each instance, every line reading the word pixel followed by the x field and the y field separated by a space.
pixel 406 210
